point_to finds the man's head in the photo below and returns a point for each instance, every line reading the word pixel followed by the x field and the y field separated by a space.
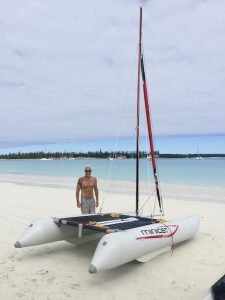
pixel 87 171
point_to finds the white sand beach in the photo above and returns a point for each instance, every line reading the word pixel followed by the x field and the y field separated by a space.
pixel 60 270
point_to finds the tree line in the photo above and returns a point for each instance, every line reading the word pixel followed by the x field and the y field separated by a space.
pixel 96 154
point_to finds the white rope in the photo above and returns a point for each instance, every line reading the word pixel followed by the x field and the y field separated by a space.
pixel 146 201
pixel 117 140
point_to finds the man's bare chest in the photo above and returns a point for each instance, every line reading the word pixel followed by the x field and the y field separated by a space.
pixel 87 183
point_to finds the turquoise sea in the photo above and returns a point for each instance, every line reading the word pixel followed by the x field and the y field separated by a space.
pixel 206 172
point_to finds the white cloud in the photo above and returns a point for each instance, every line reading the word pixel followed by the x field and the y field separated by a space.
pixel 67 68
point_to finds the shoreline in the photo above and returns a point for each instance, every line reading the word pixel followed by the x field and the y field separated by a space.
pixel 159 156
pixel 171 191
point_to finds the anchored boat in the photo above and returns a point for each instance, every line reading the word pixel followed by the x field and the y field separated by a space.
pixel 123 237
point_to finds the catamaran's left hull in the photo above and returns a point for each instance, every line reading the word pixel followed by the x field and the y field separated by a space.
pixel 46 230
pixel 119 248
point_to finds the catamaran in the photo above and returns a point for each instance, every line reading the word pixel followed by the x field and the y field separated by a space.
pixel 122 237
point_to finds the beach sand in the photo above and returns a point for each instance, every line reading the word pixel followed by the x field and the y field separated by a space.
pixel 60 270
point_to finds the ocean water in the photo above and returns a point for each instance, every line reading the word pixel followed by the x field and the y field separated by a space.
pixel 206 172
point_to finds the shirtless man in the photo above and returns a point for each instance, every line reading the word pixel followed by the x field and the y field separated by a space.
pixel 87 185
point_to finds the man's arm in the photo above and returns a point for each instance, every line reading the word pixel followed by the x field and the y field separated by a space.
pixel 96 192
pixel 78 193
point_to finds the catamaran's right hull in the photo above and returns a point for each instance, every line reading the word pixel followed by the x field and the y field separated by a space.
pixel 118 248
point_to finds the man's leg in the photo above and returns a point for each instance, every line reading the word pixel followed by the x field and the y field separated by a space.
pixel 92 206
pixel 84 206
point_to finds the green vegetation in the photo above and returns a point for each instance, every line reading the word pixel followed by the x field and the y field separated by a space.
pixel 96 154
pixel 69 155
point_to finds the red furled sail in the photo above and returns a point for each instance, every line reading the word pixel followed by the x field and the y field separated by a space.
pixel 153 159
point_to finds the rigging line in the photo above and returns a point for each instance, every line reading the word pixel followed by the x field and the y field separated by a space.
pixel 152 211
pixel 148 165
pixel 112 181
pixel 148 198
pixel 154 205
pixel 159 184
pixel 119 128
pixel 148 171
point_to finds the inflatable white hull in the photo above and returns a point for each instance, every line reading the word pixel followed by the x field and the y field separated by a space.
pixel 114 248
pixel 44 231
pixel 119 248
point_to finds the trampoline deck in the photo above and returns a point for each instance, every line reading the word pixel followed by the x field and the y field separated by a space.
pixel 107 222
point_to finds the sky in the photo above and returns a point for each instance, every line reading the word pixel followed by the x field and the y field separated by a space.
pixel 68 71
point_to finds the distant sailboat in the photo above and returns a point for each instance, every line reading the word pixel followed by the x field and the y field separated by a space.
pixel 110 158
pixel 199 157
pixel 150 157
pixel 46 158
pixel 187 155
pixel 121 157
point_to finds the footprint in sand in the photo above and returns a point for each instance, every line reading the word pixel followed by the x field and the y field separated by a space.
pixel 20 295
pixel 64 293
pixel 2 262
pixel 42 272
pixel 205 234
pixel 74 286
pixel 12 269
pixel 11 257
pixel 187 287
pixel 51 280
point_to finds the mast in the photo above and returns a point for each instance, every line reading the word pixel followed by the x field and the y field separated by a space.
pixel 138 112
pixel 148 117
